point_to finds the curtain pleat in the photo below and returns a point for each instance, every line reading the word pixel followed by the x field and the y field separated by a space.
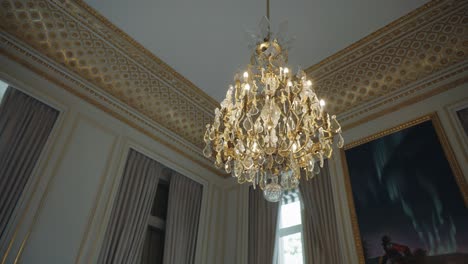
pixel 25 125
pixel 125 233
pixel 263 217
pixel 321 242
pixel 183 215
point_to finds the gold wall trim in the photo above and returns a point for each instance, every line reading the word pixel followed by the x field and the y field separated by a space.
pixel 99 101
pixel 421 44
pixel 453 163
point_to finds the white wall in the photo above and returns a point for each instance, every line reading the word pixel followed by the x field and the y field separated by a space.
pixel 62 216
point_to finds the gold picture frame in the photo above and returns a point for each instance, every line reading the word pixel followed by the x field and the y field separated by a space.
pixel 449 154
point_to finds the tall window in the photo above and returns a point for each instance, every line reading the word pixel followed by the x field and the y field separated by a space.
pixel 153 249
pixel 289 246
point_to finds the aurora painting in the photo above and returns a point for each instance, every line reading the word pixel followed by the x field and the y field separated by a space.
pixel 408 202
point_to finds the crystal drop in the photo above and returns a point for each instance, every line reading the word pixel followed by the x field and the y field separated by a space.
pixel 301 139
pixel 262 180
pixel 248 163
pixel 296 89
pixel 261 160
pixel 273 192
pixel 238 169
pixel 316 170
pixel 247 124
pixel 239 147
pixel 275 113
pixel 340 142
pixel 241 179
pixel 296 171
pixel 321 133
pixel 258 127
pixel 284 145
pixel 265 114
pixel 228 167
pixel 311 165
pixel 254 110
pixel 297 106
pixel 218 158
pixel 212 134
pixel 321 160
pixel 290 123
pixel 206 137
pixel 269 162
pixel 219 145
pixel 279 159
pixel 269 150
pixel 207 151
pixel 334 125
pixel 250 175
pixel 327 150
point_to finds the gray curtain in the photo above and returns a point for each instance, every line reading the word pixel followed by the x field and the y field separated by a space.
pixel 263 218
pixel 320 229
pixel 128 223
pixel 25 125
pixel 183 215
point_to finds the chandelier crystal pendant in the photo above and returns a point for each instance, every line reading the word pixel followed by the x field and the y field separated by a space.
pixel 271 125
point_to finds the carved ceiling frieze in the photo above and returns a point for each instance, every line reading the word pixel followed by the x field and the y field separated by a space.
pixel 412 48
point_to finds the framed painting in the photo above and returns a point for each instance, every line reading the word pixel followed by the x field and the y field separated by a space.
pixel 407 195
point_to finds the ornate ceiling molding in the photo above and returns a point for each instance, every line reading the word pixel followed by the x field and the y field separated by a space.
pixel 416 46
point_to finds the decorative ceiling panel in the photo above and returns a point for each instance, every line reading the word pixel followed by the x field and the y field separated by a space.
pixel 412 48
pixel 73 35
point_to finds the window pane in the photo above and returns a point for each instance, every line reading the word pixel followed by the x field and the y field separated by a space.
pixel 159 208
pixel 290 249
pixel 290 214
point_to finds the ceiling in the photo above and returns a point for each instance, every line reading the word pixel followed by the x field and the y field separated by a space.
pixel 205 41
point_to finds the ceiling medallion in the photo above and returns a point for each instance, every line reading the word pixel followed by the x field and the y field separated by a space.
pixel 271 125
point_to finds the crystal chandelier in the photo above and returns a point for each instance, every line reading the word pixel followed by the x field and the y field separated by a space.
pixel 271 125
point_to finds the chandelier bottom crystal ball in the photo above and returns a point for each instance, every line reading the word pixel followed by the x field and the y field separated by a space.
pixel 271 125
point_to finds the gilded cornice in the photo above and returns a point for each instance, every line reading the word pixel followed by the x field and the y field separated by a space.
pixel 414 47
